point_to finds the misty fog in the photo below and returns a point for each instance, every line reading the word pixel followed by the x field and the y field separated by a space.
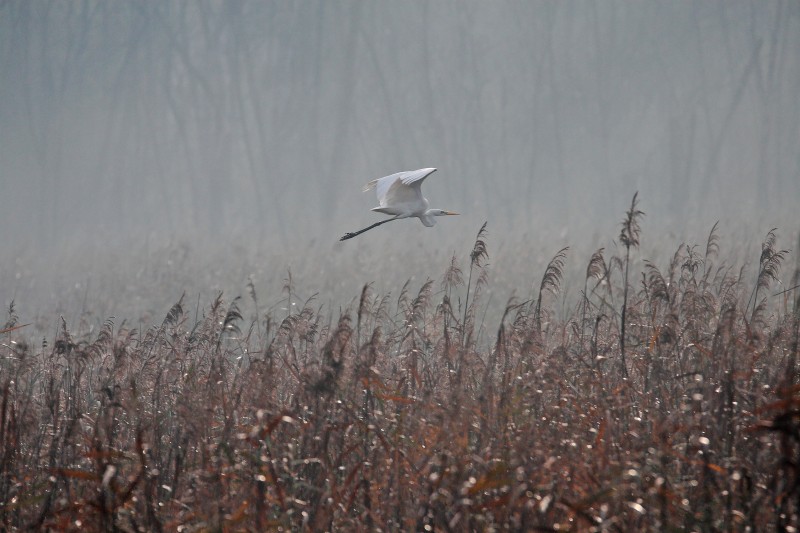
pixel 149 149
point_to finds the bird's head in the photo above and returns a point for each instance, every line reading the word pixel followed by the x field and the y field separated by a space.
pixel 440 212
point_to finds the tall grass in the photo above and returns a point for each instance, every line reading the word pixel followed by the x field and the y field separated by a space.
pixel 675 408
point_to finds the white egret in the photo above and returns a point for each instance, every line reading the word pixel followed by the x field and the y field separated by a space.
pixel 400 195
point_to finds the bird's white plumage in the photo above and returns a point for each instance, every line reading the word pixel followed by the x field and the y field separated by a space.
pixel 400 195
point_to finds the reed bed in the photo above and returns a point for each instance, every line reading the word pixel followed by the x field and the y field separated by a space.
pixel 662 399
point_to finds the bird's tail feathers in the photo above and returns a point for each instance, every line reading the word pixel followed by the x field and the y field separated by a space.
pixel 371 185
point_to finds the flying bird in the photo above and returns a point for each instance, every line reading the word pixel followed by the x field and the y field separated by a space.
pixel 400 195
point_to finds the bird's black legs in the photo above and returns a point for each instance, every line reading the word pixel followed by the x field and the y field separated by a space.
pixel 359 232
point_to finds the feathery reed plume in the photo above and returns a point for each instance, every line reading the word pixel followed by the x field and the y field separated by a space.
pixel 629 237
pixel 104 338
pixel 629 234
pixel 769 266
pixel 251 290
pixel 230 322
pixel 654 283
pixel 333 354
pixel 551 282
pixel 453 276
pixel 415 317
pixel 65 344
pixel 595 269
pixel 691 262
pixel 12 317
pixel 770 261
pixel 477 260
pixel 402 299
pixel 288 289
pixel 597 266
pixel 712 244
pixel 175 313
pixel 479 253
pixel 420 303
pixel 362 304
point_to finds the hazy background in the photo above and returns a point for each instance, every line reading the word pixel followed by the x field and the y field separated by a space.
pixel 152 148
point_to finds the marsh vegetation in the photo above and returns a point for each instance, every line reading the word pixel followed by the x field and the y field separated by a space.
pixel 663 397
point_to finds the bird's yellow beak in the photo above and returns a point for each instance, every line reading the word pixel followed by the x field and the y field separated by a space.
pixel 450 213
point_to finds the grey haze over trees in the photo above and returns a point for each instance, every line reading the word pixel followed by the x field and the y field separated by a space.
pixel 259 121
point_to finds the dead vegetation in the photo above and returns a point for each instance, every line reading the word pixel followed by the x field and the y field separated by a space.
pixel 667 402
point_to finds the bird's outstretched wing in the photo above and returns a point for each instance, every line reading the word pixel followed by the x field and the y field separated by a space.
pixel 397 188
